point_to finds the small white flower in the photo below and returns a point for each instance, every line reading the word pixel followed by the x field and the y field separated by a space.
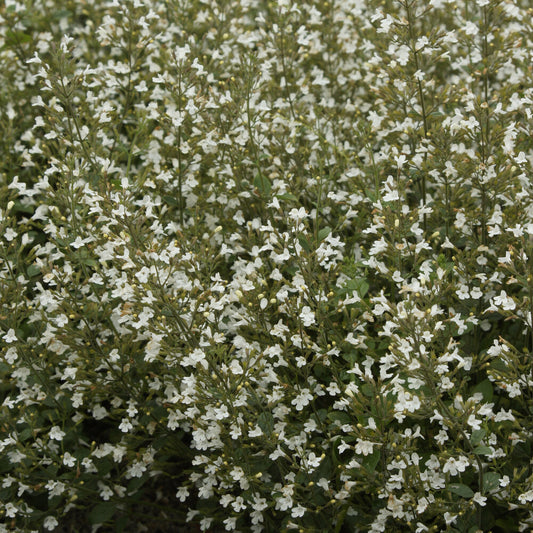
pixel 50 523
pixel 479 499
pixel 297 511
pixel 10 336
pixel 307 316
pixel 454 466
pixel 69 460
pixel 125 425
pixel 526 497
pixel 10 510
pixel 56 433
pixel 182 494
pixel 302 399
pixel 364 447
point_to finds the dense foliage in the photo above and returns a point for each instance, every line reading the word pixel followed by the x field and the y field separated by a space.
pixel 266 265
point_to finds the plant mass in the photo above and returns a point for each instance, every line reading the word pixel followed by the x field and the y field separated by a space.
pixel 266 265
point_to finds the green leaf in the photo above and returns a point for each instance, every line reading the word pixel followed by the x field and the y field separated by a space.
pixel 135 484
pixel 461 490
pixel 170 200
pixel 370 462
pixel 483 450
pixel 340 519
pixel 15 38
pixel 477 436
pixel 266 422
pixel 102 512
pixel 104 466
pixel 367 390
pixel 262 183
pixel 485 387
pixel 491 481
pixel 340 417
pixel 289 197
pixel 33 270
pixel 62 13
pixel 362 287
pixel 323 233
pixel 25 434
pixel 304 244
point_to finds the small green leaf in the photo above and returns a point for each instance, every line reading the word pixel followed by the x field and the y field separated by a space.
pixel 367 390
pixel 102 512
pixel 62 13
pixel 304 244
pixel 104 466
pixel 477 436
pixel 262 183
pixel 483 450
pixel 170 200
pixel 266 422
pixel 289 197
pixel 485 387
pixel 370 462
pixel 25 434
pixel 33 270
pixel 323 233
pixel 461 490
pixel 135 484
pixel 17 37
pixel 491 481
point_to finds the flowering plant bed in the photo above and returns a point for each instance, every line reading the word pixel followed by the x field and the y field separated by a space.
pixel 266 266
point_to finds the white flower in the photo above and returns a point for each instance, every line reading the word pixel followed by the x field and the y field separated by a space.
pixel 364 447
pixel 504 301
pixel 125 425
pixel 307 316
pixel 479 499
pixel 10 336
pixel 302 399
pixel 136 469
pixel 298 214
pixel 462 292
pixel 10 510
pixel 526 497
pixel 297 511
pixel 50 523
pixel 56 433
pixel 69 460
pixel 105 491
pixel 182 494
pixel 454 466
pixel 11 355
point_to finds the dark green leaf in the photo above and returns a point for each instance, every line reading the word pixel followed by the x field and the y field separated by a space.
pixel 266 422
pixel 485 387
pixel 477 436
pixel 33 270
pixel 262 183
pixel 102 512
pixel 491 481
pixel 367 390
pixel 304 244
pixel 15 38
pixel 289 197
pixel 370 462
pixel 323 233
pixel 483 450
pixel 461 490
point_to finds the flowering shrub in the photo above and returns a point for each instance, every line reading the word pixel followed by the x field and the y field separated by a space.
pixel 266 265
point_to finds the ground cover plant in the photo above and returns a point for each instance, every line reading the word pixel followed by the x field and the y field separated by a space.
pixel 266 265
